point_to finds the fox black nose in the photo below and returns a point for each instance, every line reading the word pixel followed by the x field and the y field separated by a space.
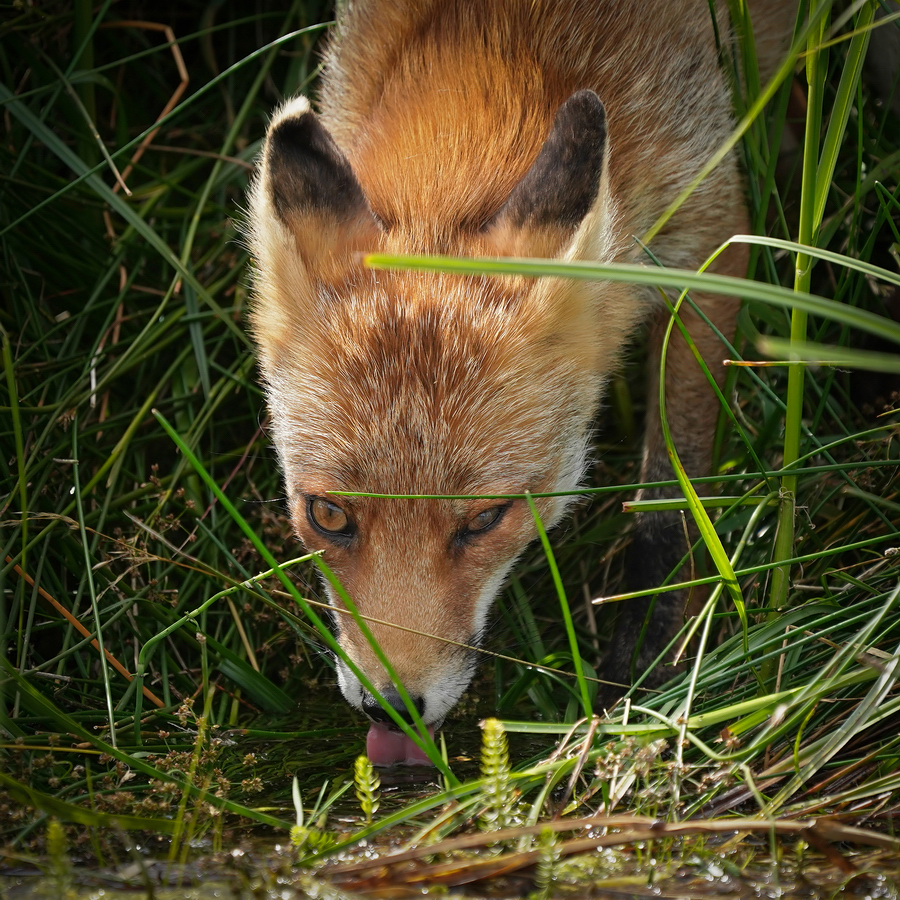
pixel 373 709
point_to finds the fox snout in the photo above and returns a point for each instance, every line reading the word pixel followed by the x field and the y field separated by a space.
pixel 434 671
pixel 434 686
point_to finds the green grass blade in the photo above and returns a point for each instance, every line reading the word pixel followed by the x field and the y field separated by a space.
pixel 840 110
pixel 583 689
pixel 679 279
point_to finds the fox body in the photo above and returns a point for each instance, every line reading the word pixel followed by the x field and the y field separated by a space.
pixel 522 128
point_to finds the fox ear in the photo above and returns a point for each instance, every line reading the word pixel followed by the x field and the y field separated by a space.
pixel 308 186
pixel 562 186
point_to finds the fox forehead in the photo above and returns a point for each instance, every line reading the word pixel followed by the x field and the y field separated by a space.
pixel 420 384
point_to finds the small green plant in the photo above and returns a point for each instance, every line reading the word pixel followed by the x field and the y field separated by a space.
pixel 497 791
pixel 59 867
pixel 547 864
pixel 368 785
pixel 307 839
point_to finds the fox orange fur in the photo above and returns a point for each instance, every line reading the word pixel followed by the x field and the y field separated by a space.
pixel 523 128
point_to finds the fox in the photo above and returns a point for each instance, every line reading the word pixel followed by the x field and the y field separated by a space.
pixel 510 128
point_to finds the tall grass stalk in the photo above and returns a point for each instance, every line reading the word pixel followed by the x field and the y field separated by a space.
pixel 818 169
pixel 816 63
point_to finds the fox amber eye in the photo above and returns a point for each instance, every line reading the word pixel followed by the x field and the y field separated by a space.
pixel 486 519
pixel 327 517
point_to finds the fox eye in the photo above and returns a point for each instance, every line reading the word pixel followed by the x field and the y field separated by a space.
pixel 485 520
pixel 328 518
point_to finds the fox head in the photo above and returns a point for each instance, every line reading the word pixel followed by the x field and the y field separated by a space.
pixel 415 383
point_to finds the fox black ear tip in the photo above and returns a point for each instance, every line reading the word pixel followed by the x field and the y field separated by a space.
pixel 586 96
pixel 293 133
pixel 585 104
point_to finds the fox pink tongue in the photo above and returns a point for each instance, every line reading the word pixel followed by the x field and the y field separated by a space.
pixel 386 747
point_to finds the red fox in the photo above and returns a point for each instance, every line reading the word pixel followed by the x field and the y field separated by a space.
pixel 515 128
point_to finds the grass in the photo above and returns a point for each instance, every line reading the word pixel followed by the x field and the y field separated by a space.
pixel 152 668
